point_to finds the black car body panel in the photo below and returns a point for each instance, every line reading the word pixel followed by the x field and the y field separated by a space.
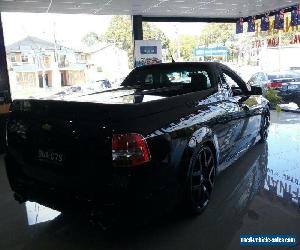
pixel 290 92
pixel 173 120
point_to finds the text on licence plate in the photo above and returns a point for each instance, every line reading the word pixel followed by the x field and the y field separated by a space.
pixel 50 156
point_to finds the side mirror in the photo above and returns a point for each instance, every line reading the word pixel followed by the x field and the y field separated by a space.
pixel 256 90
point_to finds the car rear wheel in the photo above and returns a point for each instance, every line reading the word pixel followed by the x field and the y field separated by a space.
pixel 201 178
pixel 264 127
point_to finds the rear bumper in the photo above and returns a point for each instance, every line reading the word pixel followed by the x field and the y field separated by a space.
pixel 125 191
pixel 290 96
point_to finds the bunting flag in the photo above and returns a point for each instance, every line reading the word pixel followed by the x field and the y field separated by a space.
pixel 239 26
pixel 251 24
pixel 279 20
pixel 295 16
pixel 265 23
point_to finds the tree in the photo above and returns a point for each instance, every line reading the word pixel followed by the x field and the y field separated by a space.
pixel 120 33
pixel 186 44
pixel 217 34
pixel 90 39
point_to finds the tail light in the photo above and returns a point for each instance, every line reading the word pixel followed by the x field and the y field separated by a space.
pixel 274 85
pixel 129 150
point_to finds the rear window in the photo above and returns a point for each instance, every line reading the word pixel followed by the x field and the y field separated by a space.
pixel 279 75
pixel 160 77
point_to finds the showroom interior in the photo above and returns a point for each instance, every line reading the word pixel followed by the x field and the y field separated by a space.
pixel 258 194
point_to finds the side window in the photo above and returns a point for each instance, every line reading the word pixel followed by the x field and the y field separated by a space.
pixel 200 78
pixel 263 77
pixel 260 77
pixel 207 79
pixel 144 78
pixel 231 83
pixel 149 79
pixel 252 80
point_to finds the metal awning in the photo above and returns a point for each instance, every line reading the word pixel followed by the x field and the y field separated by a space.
pixel 222 9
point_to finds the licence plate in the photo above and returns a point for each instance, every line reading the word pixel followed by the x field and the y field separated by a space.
pixel 50 156
pixel 292 87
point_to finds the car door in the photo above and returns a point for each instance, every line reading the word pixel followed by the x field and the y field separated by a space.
pixel 234 120
pixel 248 109
pixel 239 112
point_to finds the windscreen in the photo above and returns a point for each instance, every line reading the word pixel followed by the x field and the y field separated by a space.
pixel 168 76
pixel 284 74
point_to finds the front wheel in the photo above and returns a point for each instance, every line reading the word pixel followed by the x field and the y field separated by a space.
pixel 200 179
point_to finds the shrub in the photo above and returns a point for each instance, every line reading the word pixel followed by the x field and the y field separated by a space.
pixel 272 96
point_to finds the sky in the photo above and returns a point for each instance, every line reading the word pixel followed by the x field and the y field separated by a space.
pixel 70 29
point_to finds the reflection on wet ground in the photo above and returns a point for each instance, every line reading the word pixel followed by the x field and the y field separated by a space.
pixel 37 213
pixel 258 194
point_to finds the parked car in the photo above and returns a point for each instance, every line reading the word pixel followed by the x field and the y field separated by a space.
pixel 273 79
pixel 295 68
pixel 155 140
pixel 290 92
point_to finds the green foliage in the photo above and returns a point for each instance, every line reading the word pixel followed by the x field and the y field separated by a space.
pixel 90 39
pixel 213 34
pixel 272 97
pixel 251 102
pixel 120 33
pixel 186 44
pixel 278 108
pixel 217 34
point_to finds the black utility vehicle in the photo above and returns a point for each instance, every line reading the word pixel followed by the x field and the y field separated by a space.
pixel 160 137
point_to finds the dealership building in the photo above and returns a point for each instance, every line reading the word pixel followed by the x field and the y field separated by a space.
pixel 255 195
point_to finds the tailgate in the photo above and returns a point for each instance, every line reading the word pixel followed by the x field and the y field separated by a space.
pixel 60 143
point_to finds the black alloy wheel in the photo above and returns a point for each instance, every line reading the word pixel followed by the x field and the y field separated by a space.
pixel 201 179
pixel 264 127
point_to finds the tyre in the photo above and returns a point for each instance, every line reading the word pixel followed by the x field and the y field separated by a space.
pixel 264 126
pixel 200 180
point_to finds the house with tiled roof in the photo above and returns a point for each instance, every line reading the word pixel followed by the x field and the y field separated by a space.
pixel 38 63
